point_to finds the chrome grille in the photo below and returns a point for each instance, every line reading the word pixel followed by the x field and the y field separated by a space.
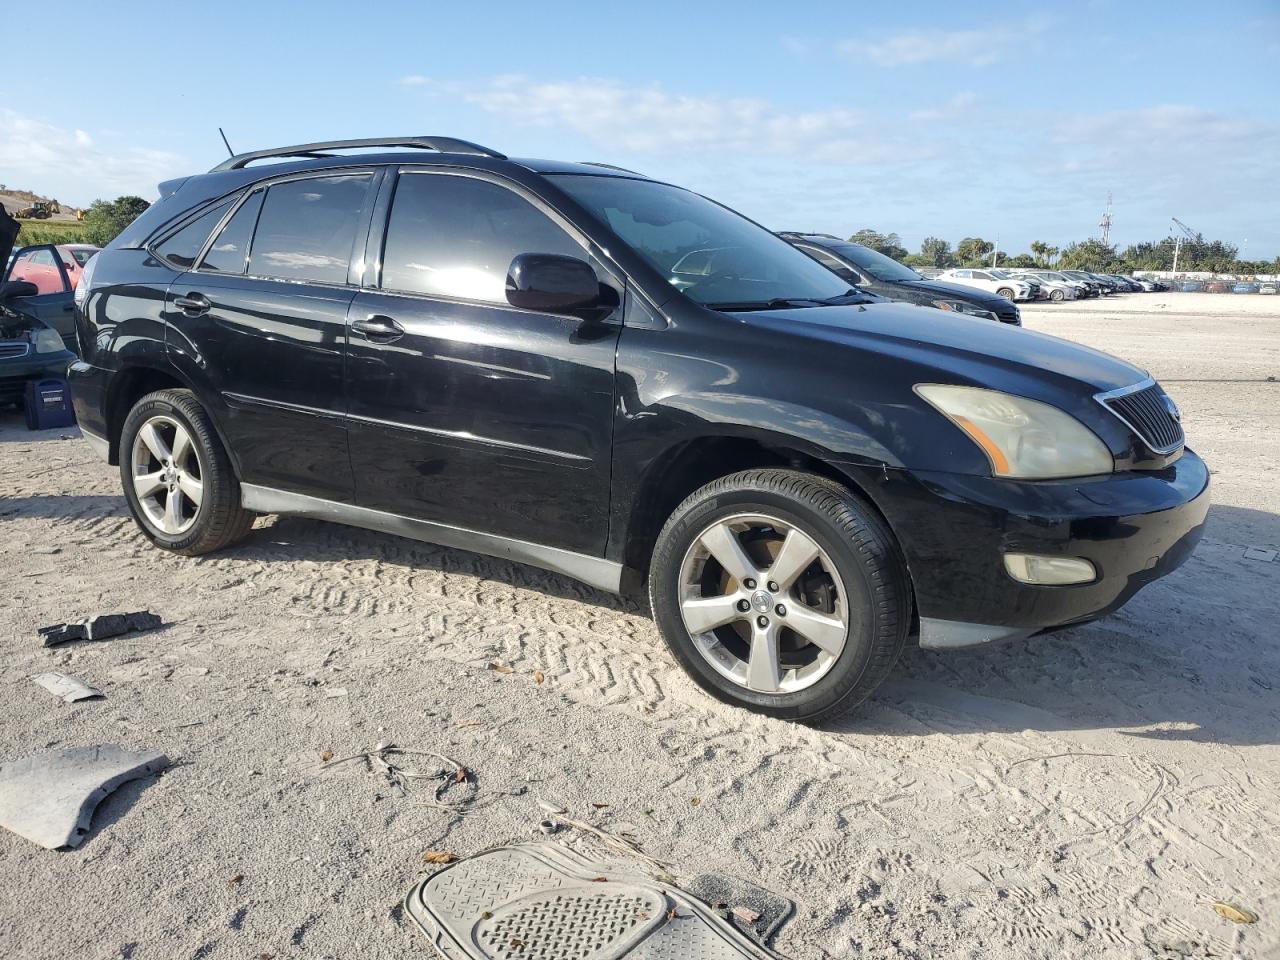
pixel 14 348
pixel 1144 409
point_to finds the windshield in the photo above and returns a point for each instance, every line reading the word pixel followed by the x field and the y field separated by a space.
pixel 83 254
pixel 875 263
pixel 708 252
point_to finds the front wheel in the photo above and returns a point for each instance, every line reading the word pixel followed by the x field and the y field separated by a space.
pixel 1005 292
pixel 177 477
pixel 782 592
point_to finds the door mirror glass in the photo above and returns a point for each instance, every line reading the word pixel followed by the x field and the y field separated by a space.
pixel 552 283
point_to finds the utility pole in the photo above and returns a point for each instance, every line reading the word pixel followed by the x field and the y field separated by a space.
pixel 1105 223
pixel 995 251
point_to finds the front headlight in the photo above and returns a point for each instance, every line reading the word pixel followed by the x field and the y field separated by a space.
pixel 49 341
pixel 1023 439
pixel 968 309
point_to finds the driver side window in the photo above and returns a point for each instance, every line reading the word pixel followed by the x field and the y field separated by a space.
pixel 37 265
pixel 455 236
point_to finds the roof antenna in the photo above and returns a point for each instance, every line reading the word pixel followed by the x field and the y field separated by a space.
pixel 230 152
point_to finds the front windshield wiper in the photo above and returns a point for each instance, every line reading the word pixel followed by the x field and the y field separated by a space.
pixel 782 303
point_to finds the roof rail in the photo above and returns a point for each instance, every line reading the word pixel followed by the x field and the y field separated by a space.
pixel 314 150
pixel 609 166
pixel 806 233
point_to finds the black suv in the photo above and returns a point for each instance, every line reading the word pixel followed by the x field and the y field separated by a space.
pixel 871 270
pixel 583 369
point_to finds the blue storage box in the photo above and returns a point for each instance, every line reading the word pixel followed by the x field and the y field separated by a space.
pixel 48 405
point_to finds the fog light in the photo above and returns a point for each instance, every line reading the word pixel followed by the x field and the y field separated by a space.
pixel 1049 571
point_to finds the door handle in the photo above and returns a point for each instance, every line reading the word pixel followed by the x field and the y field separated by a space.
pixel 378 328
pixel 193 304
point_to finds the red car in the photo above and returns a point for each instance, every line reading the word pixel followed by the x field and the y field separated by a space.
pixel 37 265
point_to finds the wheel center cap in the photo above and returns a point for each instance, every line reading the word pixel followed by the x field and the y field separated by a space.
pixel 761 601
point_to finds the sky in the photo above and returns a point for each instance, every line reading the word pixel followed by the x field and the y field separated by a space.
pixel 1011 121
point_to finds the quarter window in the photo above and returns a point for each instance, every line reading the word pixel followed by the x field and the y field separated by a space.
pixel 456 236
pixel 307 229
pixel 183 247
pixel 230 251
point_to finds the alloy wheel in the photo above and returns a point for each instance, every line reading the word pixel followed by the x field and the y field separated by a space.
pixel 763 603
pixel 167 478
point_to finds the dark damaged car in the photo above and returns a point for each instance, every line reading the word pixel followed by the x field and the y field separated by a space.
pixel 581 368
pixel 29 348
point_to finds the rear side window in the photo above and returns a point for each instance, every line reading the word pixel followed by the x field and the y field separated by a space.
pixel 182 248
pixel 230 251
pixel 307 229
pixel 456 236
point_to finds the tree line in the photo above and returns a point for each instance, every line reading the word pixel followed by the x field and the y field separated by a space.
pixel 1196 254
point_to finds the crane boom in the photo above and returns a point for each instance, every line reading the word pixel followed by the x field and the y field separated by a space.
pixel 1177 240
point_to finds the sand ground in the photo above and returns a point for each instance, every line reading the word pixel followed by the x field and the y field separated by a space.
pixel 1072 796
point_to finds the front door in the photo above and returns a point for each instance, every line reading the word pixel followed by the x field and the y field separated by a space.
pixel 465 410
pixel 54 303
pixel 263 316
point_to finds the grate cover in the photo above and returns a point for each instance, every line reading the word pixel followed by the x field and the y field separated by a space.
pixel 543 902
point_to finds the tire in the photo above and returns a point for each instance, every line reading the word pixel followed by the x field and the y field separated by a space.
pixel 1005 292
pixel 217 520
pixel 810 683
pixel 1057 296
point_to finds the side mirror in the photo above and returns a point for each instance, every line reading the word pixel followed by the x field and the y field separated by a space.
pixel 551 283
pixel 18 288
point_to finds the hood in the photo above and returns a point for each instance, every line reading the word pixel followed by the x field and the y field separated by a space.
pixel 955 291
pixel 8 236
pixel 967 348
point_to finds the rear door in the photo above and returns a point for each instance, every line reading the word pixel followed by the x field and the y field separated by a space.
pixel 262 320
pixel 54 304
pixel 465 410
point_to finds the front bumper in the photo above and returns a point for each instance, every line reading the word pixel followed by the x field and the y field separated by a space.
pixel 1133 527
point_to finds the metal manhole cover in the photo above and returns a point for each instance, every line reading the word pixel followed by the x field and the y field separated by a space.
pixel 543 902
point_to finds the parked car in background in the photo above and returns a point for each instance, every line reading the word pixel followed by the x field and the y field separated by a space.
pixel 1191 286
pixel 29 348
pixel 1007 286
pixel 55 271
pixel 1217 286
pixel 871 270
pixel 1244 286
pixel 1093 283
pixel 1268 288
pixel 1080 288
pixel 1049 289
pixel 432 340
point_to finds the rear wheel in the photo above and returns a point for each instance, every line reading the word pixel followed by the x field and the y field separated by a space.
pixel 1057 296
pixel 177 477
pixel 782 592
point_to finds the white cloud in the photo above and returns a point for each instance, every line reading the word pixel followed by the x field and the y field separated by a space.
pixel 653 120
pixel 74 168
pixel 974 48
pixel 952 109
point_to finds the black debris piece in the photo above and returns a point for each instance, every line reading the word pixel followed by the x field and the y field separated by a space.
pixel 100 627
